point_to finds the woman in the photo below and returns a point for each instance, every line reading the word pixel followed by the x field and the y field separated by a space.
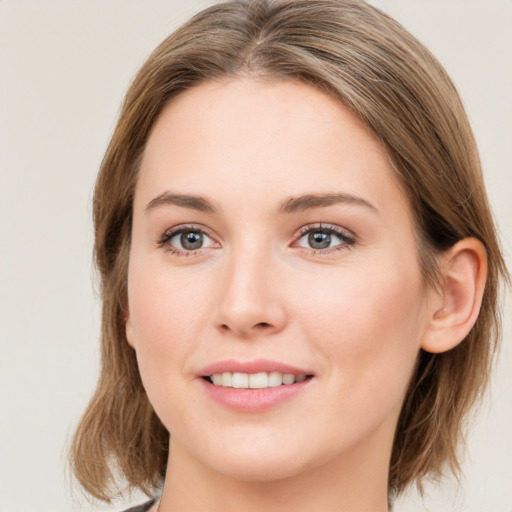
pixel 300 269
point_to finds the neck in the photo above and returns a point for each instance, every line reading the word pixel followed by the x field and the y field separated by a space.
pixel 354 483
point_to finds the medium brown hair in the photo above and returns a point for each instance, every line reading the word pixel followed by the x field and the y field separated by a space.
pixel 399 90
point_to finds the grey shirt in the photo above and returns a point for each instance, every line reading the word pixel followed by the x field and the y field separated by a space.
pixel 142 508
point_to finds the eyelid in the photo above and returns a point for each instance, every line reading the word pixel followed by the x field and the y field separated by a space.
pixel 170 233
pixel 326 227
pixel 347 237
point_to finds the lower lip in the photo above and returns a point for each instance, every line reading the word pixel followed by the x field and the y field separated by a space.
pixel 254 400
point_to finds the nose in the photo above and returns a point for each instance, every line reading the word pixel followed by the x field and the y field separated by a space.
pixel 252 298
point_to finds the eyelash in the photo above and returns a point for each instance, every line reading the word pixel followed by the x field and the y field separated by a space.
pixel 183 228
pixel 346 237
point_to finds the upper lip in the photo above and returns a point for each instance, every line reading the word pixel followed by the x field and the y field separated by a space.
pixel 254 366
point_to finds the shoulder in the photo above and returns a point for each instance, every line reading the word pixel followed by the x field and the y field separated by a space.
pixel 145 507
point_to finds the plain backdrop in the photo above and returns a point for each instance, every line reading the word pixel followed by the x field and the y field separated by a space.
pixel 64 67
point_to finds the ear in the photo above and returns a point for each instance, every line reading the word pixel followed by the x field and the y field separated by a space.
pixel 456 305
pixel 128 328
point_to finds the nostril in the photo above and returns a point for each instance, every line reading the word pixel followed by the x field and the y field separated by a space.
pixel 245 330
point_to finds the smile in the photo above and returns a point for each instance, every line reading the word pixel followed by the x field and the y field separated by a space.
pixel 254 386
pixel 260 380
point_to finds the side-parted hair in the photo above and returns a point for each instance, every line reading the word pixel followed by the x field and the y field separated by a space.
pixel 391 82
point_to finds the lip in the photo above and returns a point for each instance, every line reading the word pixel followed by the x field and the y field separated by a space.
pixel 252 400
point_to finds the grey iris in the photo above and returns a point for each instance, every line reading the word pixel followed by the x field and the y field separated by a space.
pixel 191 240
pixel 319 240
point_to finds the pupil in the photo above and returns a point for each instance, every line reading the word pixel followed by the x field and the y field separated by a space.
pixel 192 240
pixel 319 240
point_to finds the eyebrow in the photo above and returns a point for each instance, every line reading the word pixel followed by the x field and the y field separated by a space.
pixel 185 201
pixel 290 205
pixel 308 201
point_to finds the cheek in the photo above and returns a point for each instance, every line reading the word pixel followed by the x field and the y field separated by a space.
pixel 163 305
pixel 164 314
pixel 367 324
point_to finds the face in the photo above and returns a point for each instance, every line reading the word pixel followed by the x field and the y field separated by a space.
pixel 276 304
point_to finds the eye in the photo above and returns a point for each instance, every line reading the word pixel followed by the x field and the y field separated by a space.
pixel 186 239
pixel 323 238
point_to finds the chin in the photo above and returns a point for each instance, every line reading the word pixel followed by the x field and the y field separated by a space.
pixel 256 463
pixel 262 471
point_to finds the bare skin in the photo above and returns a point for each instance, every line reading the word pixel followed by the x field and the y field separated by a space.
pixel 305 254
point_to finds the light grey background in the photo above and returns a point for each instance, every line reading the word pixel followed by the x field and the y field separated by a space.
pixel 64 67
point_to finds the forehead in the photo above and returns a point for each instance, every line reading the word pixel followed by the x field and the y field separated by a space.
pixel 247 137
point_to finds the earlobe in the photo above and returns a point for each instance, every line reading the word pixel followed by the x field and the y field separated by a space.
pixel 463 277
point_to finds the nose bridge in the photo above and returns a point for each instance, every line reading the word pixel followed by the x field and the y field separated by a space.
pixel 250 300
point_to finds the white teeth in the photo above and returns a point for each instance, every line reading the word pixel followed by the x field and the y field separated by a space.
pixel 275 379
pixel 227 380
pixel 240 380
pixel 255 380
pixel 258 380
pixel 288 378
